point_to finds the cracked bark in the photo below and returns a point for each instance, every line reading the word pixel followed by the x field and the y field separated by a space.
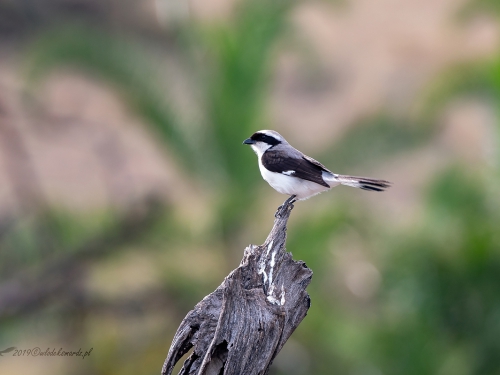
pixel 241 327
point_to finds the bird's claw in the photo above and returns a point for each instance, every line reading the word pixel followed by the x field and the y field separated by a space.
pixel 292 199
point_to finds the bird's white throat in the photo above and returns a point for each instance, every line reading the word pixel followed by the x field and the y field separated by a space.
pixel 260 147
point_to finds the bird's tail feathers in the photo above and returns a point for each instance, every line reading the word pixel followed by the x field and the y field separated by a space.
pixel 363 182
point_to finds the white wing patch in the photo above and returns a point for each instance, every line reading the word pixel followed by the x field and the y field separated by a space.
pixel 288 173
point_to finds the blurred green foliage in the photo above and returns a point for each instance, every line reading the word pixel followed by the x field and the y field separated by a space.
pixel 117 60
pixel 476 6
pixel 374 140
pixel 433 307
pixel 232 76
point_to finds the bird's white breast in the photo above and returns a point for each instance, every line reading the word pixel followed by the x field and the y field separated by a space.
pixel 290 185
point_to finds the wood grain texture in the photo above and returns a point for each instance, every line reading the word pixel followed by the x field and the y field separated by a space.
pixel 241 327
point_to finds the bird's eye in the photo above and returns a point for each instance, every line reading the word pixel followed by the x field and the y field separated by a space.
pixel 270 140
pixel 259 137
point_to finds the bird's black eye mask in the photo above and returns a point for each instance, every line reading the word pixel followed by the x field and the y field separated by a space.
pixel 260 137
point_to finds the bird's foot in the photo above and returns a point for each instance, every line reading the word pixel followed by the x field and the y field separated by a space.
pixel 285 204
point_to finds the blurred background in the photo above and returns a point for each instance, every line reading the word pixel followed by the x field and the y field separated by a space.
pixel 126 195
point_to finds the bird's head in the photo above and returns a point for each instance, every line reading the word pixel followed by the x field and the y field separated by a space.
pixel 263 140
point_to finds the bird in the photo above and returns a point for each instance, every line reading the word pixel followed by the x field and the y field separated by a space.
pixel 8 350
pixel 293 173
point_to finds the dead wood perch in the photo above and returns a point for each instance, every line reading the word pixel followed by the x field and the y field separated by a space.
pixel 241 327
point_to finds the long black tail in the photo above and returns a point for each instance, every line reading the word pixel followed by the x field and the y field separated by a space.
pixel 363 183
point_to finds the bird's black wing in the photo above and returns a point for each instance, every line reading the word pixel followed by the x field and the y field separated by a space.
pixel 276 161
pixel 317 163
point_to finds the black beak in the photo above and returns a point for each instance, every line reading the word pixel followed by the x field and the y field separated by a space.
pixel 248 141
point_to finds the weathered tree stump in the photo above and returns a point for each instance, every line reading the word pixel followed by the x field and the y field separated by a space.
pixel 241 327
